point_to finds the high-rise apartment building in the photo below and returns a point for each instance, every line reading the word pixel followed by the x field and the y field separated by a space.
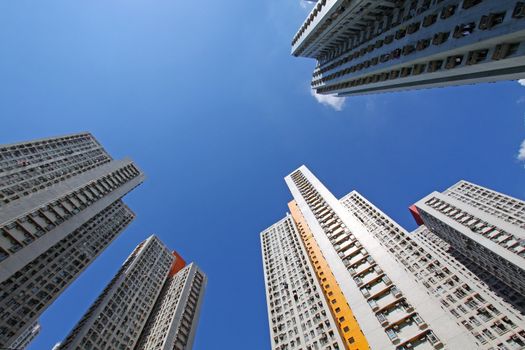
pixel 60 207
pixel 370 46
pixel 485 229
pixel 153 302
pixel 381 287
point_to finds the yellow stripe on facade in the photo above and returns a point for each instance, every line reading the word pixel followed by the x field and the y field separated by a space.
pixel 348 327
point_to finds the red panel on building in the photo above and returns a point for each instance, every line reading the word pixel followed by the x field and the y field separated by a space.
pixel 415 214
pixel 177 265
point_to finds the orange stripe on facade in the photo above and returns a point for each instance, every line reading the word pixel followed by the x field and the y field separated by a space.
pixel 351 334
pixel 177 264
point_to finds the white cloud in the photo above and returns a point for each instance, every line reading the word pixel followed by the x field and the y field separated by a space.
pixel 335 102
pixel 521 82
pixel 306 4
pixel 521 152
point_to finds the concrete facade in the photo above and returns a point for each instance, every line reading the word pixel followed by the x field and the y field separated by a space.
pixel 60 207
pixel 485 231
pixel 153 302
pixel 365 46
pixel 116 318
pixel 403 290
pixel 486 227
pixel 299 316
pixel 173 322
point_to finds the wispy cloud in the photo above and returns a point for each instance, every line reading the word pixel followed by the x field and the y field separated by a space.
pixel 335 102
pixel 521 152
pixel 306 4
pixel 521 82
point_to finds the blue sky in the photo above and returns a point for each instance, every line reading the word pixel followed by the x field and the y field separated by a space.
pixel 206 98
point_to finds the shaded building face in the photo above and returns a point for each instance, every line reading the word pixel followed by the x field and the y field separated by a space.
pixel 60 207
pixel 153 302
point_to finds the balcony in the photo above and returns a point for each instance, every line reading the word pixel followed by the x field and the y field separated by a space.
pixel 440 38
pixel 491 20
pixel 338 232
pixel 361 266
pixel 464 30
pixel 345 246
pixel 356 255
pixel 477 56
pixel 364 269
pixel 332 220
pixel 333 227
pixel 421 342
pixel 378 290
pixel 351 249
pixel 387 297
pixel 405 329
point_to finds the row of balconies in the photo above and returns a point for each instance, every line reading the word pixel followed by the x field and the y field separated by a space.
pixel 29 155
pixel 371 33
pixel 309 20
pixel 421 339
pixel 474 57
pixel 59 166
pixel 24 230
pixel 479 226
pixel 412 28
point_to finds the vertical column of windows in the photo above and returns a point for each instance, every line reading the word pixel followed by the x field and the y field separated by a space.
pixel 30 167
pixel 403 326
pixel 190 308
pixel 348 327
pixel 299 318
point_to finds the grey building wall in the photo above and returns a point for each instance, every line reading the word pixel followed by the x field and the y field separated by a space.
pixel 486 230
pixel 494 319
pixel 117 317
pixel 298 315
pixel 173 321
pixel 60 204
